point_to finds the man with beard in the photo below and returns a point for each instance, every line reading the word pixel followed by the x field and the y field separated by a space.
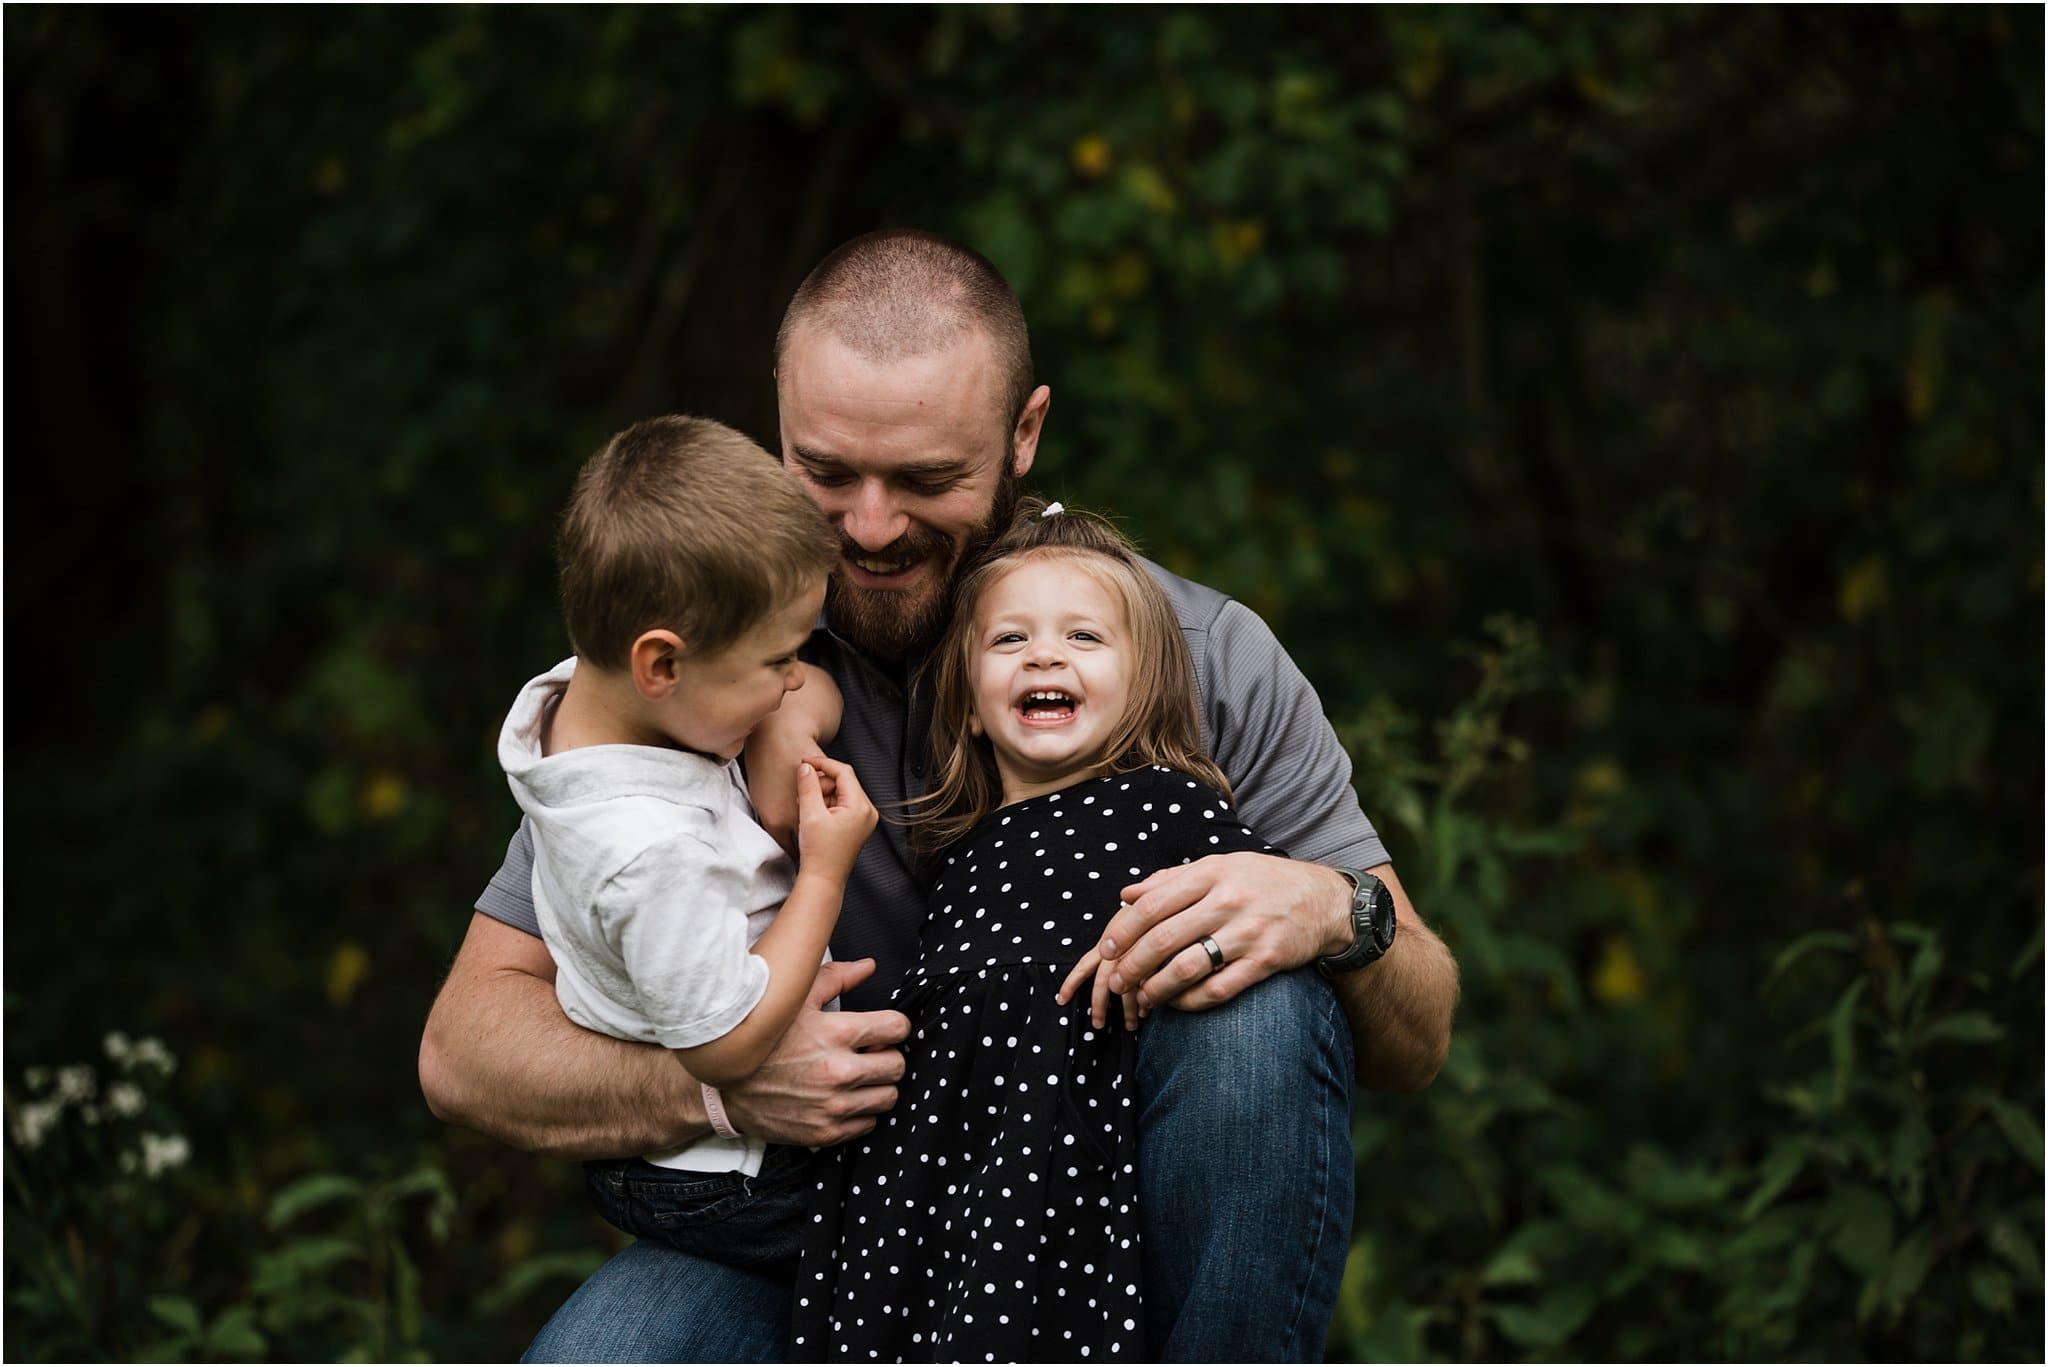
pixel 909 410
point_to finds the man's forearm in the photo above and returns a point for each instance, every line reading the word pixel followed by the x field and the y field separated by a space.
pixel 1400 1008
pixel 499 1056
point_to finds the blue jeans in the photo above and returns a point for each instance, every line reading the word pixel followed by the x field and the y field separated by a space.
pixel 754 1223
pixel 1246 1195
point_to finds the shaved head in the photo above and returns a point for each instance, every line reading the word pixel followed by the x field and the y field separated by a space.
pixel 902 292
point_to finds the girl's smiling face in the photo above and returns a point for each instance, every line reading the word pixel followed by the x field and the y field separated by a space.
pixel 1052 669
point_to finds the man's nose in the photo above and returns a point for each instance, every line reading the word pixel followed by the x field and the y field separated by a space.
pixel 873 519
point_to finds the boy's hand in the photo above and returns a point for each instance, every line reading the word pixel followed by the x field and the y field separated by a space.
pixel 1098 1014
pixel 806 721
pixel 835 819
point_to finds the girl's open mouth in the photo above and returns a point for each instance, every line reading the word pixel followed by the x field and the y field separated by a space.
pixel 1047 707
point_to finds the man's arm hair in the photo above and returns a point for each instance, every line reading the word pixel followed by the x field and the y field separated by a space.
pixel 499 1056
pixel 1294 788
pixel 1400 1008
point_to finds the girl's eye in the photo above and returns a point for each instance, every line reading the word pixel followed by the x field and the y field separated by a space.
pixel 1006 638
pixel 1086 636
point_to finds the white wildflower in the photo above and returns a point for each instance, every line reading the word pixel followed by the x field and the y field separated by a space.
pixel 125 1098
pixel 34 1120
pixel 162 1152
pixel 35 1079
pixel 76 1082
pixel 117 1046
pixel 150 1051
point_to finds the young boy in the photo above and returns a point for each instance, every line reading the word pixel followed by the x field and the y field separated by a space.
pixel 692 567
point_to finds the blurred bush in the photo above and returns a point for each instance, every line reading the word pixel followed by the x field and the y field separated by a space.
pixel 1697 350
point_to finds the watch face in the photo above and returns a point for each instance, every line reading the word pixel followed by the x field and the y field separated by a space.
pixel 1383 917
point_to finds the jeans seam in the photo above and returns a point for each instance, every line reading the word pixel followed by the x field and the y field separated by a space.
pixel 1301 1300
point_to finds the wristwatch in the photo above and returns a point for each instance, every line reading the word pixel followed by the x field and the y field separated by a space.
pixel 1372 925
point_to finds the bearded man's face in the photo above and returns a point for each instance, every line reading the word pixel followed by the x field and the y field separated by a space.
pixel 915 465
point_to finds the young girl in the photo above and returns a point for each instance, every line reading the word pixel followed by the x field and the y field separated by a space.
pixel 992 1214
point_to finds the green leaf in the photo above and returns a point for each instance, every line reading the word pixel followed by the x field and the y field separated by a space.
pixel 1907 1166
pixel 405 1294
pixel 234 1335
pixel 1861 1221
pixel 1779 1171
pixel 1964 1027
pixel 2028 955
pixel 2012 1243
pixel 1548 1323
pixel 1991 1288
pixel 2020 1128
pixel 1908 1268
pixel 1842 1041
pixel 1510 1267
pixel 1652 1175
pixel 535 1272
pixel 311 1193
pixel 177 1312
pixel 1833 940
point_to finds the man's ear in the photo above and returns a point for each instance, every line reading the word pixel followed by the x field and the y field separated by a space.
pixel 1031 422
pixel 656 663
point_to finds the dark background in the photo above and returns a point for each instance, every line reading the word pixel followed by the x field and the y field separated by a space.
pixel 1630 418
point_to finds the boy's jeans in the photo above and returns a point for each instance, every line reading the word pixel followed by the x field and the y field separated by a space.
pixel 1246 1183
pixel 754 1223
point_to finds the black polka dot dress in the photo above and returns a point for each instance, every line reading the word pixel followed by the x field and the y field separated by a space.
pixel 992 1214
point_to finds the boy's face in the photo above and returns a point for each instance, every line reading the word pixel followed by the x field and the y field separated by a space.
pixel 720 698
pixel 910 459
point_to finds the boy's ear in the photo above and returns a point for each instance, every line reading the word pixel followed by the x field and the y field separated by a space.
pixel 656 660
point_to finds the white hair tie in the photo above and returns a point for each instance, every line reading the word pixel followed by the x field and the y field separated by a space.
pixel 1051 509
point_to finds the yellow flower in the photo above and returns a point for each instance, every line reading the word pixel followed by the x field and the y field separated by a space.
pixel 1091 154
pixel 346 971
pixel 383 795
pixel 1619 976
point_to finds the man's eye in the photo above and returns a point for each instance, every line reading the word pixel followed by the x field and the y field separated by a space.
pixel 928 488
pixel 826 479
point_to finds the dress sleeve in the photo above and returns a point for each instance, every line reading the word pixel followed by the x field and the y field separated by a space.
pixel 508 897
pixel 1291 776
pixel 1197 821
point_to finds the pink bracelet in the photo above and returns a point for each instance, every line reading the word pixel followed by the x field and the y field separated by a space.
pixel 714 1110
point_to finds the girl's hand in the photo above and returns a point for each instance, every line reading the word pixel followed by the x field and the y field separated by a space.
pixel 1098 1013
pixel 834 817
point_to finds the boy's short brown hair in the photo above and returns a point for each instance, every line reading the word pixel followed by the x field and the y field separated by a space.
pixel 683 524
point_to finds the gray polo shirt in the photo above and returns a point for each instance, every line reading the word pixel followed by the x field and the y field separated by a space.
pixel 1261 722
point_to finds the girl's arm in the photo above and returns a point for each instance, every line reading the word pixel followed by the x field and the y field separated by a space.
pixel 836 819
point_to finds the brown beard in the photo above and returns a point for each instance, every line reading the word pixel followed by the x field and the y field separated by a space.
pixel 895 624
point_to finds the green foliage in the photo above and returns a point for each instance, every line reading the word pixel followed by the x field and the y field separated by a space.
pixel 1701 345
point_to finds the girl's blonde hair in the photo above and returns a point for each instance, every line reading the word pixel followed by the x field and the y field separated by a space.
pixel 1159 724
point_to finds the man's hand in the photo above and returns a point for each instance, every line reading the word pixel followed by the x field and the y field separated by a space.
pixel 831 1075
pixel 1266 914
pixel 805 722
pixel 1269 915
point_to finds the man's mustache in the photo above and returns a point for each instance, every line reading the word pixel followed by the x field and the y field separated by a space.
pixel 917 544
